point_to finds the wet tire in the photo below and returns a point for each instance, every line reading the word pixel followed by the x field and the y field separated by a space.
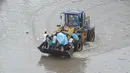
pixel 91 35
pixel 79 46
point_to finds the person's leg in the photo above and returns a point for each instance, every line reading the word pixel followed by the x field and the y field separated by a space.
pixel 46 44
pixel 53 45
pixel 65 47
pixel 50 46
pixel 62 47
pixel 59 46
pixel 69 46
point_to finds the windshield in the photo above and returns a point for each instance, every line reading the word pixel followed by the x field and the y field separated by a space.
pixel 72 20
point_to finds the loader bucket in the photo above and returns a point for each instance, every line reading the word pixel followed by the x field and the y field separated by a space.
pixel 56 52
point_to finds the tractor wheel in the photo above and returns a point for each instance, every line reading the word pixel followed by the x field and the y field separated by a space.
pixel 91 35
pixel 79 46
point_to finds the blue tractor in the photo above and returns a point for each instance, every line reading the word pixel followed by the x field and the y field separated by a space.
pixel 74 22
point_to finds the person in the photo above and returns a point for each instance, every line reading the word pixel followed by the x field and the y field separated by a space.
pixel 45 42
pixel 75 36
pixel 72 20
pixel 59 46
pixel 44 36
pixel 70 44
pixel 71 39
pixel 77 20
pixel 54 41
pixel 49 42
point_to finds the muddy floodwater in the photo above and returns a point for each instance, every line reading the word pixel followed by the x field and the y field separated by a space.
pixel 22 23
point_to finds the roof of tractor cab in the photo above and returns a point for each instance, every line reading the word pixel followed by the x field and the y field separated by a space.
pixel 73 12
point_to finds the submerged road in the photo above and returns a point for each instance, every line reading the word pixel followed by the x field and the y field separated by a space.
pixel 18 49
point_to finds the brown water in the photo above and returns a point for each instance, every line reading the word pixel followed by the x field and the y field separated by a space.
pixel 18 52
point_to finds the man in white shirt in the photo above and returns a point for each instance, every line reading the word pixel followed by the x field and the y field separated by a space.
pixel 71 42
pixel 44 40
pixel 54 38
pixel 44 36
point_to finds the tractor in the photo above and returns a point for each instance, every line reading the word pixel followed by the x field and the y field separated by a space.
pixel 75 21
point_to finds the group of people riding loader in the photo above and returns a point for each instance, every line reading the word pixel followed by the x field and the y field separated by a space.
pixel 54 42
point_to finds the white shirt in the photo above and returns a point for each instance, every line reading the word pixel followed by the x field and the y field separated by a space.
pixel 44 37
pixel 54 39
pixel 70 40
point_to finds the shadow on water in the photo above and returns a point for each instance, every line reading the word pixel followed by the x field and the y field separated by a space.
pixel 63 65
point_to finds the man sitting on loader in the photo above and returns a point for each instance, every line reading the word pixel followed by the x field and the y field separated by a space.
pixel 51 42
pixel 70 44
pixel 54 41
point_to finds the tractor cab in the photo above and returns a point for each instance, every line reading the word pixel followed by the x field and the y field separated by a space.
pixel 73 18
